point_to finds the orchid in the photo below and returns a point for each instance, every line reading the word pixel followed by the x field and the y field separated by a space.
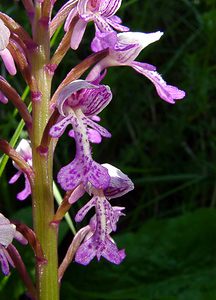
pixel 24 149
pixel 8 232
pixel 123 50
pixel 78 103
pixel 98 242
pixel 102 13
pixel 4 52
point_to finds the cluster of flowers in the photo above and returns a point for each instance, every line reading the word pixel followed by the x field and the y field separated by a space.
pixel 79 104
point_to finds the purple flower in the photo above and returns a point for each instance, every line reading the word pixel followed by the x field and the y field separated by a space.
pixel 24 149
pixel 4 52
pixel 78 103
pixel 123 50
pixel 101 12
pixel 99 242
pixel 7 234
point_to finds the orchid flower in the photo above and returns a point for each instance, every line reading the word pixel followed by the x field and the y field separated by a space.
pixel 24 149
pixel 101 12
pixel 4 52
pixel 99 242
pixel 78 103
pixel 123 50
pixel 7 233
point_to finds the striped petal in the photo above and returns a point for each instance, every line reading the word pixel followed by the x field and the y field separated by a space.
pixel 108 8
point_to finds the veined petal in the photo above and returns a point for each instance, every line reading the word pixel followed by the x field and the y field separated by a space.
pixel 120 183
pixel 168 93
pixel 108 8
pixel 83 9
pixel 4 36
pixel 68 90
pixel 94 100
pixel 102 24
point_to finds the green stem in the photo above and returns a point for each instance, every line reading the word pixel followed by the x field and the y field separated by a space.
pixel 42 189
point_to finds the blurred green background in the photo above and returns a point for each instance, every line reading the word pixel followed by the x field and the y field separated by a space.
pixel 169 151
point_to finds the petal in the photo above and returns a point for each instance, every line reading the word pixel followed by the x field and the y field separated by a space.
pixel 26 192
pixel 68 90
pixel 85 209
pixel 112 253
pixel 4 36
pixel 94 100
pixel 15 177
pixel 102 24
pixel 20 238
pixel 120 183
pixel 24 149
pixel 77 34
pixel 83 170
pixel 130 44
pixel 101 130
pixel 84 11
pixel 7 233
pixel 116 25
pixel 3 99
pixel 168 93
pixel 86 252
pixel 108 8
pixel 4 262
pixel 8 61
pixel 98 176
pixel 70 176
pixel 98 43
pixel 58 129
pixel 94 136
pixel 70 17
pixel 77 194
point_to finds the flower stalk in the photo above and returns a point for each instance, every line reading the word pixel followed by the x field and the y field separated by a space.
pixel 42 192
